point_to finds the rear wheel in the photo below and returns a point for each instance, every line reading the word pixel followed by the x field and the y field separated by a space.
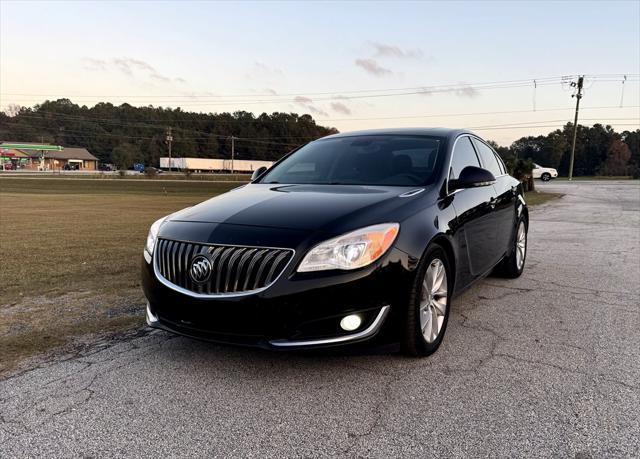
pixel 513 265
pixel 429 304
pixel 545 177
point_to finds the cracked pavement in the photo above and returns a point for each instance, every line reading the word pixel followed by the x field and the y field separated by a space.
pixel 544 365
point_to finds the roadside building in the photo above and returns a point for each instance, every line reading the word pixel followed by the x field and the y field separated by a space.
pixel 12 159
pixel 68 158
pixel 74 158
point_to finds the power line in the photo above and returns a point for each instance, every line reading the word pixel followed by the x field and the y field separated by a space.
pixel 520 125
pixel 426 90
pixel 460 89
pixel 256 121
pixel 449 86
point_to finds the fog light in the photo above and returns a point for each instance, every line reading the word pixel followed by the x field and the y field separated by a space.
pixel 350 322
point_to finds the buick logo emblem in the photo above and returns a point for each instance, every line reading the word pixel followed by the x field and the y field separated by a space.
pixel 200 270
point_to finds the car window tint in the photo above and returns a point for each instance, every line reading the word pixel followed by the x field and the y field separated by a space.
pixel 489 161
pixel 463 155
pixel 361 160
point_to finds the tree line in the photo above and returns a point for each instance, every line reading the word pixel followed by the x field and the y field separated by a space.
pixel 125 134
pixel 600 150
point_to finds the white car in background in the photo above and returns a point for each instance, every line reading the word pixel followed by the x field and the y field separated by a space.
pixel 543 173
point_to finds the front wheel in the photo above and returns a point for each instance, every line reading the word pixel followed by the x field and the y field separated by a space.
pixel 429 304
pixel 545 177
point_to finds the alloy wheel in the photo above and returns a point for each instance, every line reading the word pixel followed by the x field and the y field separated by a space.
pixel 521 245
pixel 433 300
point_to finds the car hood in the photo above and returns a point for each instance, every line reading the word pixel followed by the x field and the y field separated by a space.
pixel 301 207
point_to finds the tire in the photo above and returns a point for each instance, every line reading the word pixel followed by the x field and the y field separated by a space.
pixel 513 265
pixel 545 177
pixel 421 309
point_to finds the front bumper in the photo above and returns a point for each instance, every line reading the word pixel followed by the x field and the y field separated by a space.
pixel 299 311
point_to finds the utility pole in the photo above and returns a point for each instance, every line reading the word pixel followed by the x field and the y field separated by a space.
pixel 169 140
pixel 233 152
pixel 578 96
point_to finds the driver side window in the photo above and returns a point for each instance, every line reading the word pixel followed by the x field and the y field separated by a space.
pixel 463 155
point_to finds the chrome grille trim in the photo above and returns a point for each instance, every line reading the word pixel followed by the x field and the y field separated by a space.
pixel 229 278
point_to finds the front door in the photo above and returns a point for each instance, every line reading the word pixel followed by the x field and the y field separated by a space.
pixel 476 222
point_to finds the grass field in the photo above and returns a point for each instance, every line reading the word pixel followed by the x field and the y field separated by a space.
pixel 70 252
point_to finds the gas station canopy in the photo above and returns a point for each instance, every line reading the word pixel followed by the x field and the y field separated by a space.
pixel 30 146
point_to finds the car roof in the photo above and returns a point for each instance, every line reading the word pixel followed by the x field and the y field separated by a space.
pixel 435 132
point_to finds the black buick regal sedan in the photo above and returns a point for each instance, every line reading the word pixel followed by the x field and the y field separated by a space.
pixel 363 236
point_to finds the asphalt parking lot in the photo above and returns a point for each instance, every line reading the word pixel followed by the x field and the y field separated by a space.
pixel 545 365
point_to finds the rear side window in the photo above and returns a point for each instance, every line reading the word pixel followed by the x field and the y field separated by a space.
pixel 489 160
pixel 463 155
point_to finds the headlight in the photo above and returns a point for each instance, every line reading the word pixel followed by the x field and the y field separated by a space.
pixel 352 250
pixel 153 234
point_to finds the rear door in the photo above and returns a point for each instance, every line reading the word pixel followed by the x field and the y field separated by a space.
pixel 506 195
pixel 475 219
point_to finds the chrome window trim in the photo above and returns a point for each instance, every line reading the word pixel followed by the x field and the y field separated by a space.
pixel 367 332
pixel 448 171
pixel 184 291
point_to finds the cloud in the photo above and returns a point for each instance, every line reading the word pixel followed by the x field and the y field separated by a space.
pixel 302 100
pixel 307 103
pixel 127 65
pixel 317 111
pixel 462 90
pixel 94 64
pixel 384 50
pixel 372 67
pixel 340 108
pixel 158 77
pixel 270 91
pixel 466 91
pixel 260 70
pixel 130 67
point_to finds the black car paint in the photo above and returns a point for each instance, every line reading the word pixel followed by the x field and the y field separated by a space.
pixel 476 227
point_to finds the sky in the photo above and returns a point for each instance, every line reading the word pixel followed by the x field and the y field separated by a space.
pixel 351 65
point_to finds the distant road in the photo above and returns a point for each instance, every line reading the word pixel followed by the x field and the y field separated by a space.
pixel 542 366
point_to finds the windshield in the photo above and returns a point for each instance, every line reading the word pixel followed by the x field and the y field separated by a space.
pixel 392 160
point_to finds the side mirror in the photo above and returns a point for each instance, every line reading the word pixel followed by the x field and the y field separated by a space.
pixel 472 177
pixel 258 172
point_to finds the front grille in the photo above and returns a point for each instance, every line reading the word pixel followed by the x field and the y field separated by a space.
pixel 235 269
